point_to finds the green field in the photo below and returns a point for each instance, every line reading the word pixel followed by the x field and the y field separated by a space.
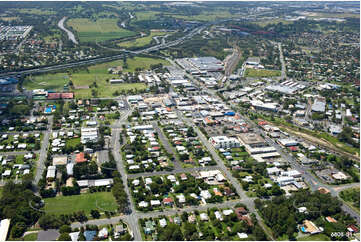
pixel 316 237
pixel 97 73
pixel 100 30
pixel 86 202
pixel 139 42
pixel 261 73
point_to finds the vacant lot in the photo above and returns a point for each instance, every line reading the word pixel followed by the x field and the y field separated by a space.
pixel 139 42
pixel 100 30
pixel 96 73
pixel 86 202
pixel 352 197
pixel 261 73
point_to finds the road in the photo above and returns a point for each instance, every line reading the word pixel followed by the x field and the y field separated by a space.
pixel 167 146
pixel 283 70
pixel 69 33
pixel 43 152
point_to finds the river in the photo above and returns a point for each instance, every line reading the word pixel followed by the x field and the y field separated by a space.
pixel 70 34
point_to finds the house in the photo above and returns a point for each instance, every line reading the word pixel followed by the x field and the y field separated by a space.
pixel 310 227
pixel 80 158
pixel 352 228
pixel 119 230
pixel 227 212
pixel 149 227
pixel 163 222
pixel 205 194
pixel 181 198
pixel 143 204
pixel 203 217
pixel 103 233
pixel 183 177
pixel 154 202
pixel 60 160
pixel 191 218
pixel 218 215
pixel 242 235
pixel 168 201
pixel 240 212
pixel 50 175
pixel 331 220
pixel 89 235
pixel 177 220
pixel 74 236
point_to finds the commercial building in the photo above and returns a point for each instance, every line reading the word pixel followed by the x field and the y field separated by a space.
pixel 319 105
pixel 224 142
pixel 89 135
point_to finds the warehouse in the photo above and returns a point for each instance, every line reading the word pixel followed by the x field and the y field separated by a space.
pixel 288 142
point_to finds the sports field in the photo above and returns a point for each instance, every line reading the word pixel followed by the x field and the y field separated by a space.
pixel 261 73
pixel 139 42
pixel 83 202
pixel 100 30
pixel 97 73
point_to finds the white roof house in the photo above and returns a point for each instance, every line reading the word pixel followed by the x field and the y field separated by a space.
pixel 143 204
pixel 163 222
pixel 227 212
pixel 205 194
pixel 204 216
pixel 154 202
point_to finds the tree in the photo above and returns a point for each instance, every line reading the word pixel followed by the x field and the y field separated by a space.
pixel 65 229
pixel 49 222
pixel 64 237
pixel 18 230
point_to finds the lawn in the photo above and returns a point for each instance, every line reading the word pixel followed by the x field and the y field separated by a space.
pixel 31 237
pixel 316 237
pixel 96 73
pixel 86 202
pixel 261 73
pixel 100 30
pixel 139 42
pixel 72 142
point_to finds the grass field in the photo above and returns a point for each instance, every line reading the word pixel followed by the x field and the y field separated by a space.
pixel 146 15
pixel 261 73
pixel 205 15
pixel 98 73
pixel 139 42
pixel 36 11
pixel 316 237
pixel 101 30
pixel 86 202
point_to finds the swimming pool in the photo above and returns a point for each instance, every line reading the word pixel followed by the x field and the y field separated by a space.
pixel 48 110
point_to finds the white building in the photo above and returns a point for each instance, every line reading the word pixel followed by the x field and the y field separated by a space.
pixel 224 142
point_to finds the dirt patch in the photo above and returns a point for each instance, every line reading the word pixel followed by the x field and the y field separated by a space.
pixel 81 87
